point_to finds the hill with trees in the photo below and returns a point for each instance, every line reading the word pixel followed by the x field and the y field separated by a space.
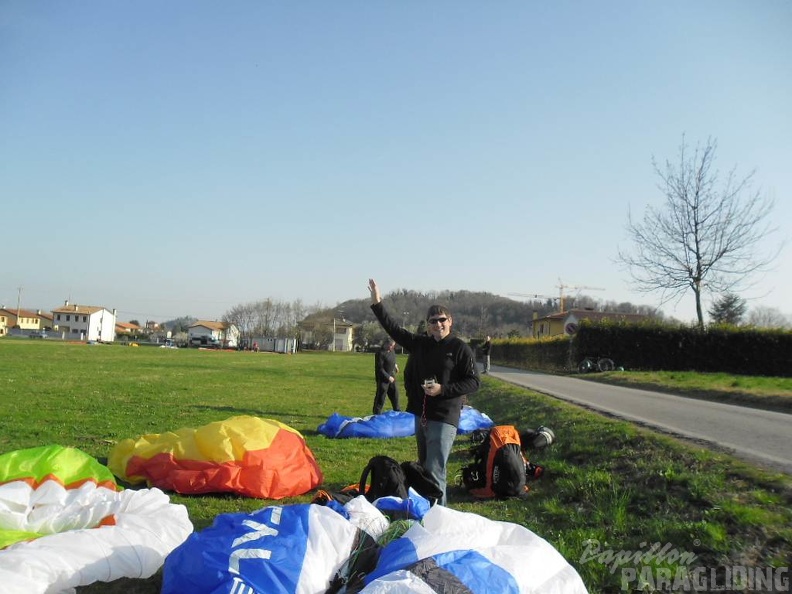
pixel 476 314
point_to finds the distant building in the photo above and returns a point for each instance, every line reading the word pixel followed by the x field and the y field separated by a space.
pixel 269 344
pixel 568 322
pixel 227 335
pixel 23 319
pixel 128 329
pixel 45 320
pixel 84 322
pixel 316 332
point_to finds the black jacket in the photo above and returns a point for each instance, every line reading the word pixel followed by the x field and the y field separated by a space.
pixel 384 364
pixel 450 361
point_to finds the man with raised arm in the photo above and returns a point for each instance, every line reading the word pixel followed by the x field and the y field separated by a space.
pixel 442 373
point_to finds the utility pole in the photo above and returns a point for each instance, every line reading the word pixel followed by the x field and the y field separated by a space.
pixel 19 300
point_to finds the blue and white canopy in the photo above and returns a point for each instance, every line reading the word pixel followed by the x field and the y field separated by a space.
pixel 382 426
pixel 394 424
pixel 300 549
pixel 458 552
pixel 288 549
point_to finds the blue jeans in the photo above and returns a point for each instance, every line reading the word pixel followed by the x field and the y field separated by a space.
pixel 434 447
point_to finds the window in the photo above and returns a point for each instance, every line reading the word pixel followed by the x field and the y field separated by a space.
pixel 85 318
pixel 68 318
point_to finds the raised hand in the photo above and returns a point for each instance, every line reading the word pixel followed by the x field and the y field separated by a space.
pixel 374 290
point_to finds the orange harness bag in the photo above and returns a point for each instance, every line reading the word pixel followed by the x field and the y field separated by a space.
pixel 499 469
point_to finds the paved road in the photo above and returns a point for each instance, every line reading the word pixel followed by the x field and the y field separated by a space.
pixel 758 436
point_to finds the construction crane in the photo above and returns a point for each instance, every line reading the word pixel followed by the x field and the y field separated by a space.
pixel 561 296
pixel 533 296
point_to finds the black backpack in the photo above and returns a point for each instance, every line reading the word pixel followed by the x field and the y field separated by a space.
pixel 421 481
pixel 387 479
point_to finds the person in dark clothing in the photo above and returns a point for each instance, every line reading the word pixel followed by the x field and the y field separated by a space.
pixel 385 370
pixel 442 371
pixel 486 348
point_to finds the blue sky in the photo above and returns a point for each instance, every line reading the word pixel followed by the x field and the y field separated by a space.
pixel 182 157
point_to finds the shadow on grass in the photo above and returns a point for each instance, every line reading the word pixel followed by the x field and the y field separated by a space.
pixel 237 411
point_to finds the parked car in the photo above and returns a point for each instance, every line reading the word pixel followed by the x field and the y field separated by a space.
pixel 206 342
pixel 38 334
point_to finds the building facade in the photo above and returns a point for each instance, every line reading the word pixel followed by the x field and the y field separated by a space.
pixel 568 322
pixel 84 322
pixel 23 319
pixel 225 335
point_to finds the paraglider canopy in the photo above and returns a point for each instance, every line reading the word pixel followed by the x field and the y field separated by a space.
pixel 247 455
pixel 65 523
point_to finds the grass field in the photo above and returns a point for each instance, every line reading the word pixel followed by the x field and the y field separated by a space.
pixel 609 486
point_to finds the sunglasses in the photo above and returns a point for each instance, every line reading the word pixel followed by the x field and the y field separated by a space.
pixel 437 320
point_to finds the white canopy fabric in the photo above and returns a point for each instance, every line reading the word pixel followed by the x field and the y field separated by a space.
pixel 79 547
pixel 451 547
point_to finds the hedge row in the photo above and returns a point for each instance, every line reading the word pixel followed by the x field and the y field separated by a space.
pixel 653 346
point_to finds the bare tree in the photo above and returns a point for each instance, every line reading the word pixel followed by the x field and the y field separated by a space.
pixel 707 235
pixel 266 315
pixel 267 318
pixel 243 317
pixel 768 317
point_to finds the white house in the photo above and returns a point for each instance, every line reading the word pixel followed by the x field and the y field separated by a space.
pixel 84 322
pixel 338 331
pixel 226 334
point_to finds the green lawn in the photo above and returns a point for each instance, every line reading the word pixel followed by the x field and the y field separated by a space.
pixel 609 486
